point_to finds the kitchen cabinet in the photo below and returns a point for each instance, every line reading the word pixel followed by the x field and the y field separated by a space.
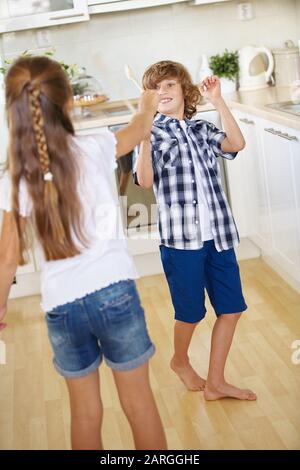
pixel 264 186
pixel 105 6
pixel 236 172
pixel 18 15
pixel 205 2
pixel 247 182
pixel 281 147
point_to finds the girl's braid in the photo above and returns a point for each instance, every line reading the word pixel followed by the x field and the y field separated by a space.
pixel 38 127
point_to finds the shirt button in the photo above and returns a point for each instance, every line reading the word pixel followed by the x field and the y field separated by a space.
pixel 194 201
pixel 193 181
pixel 186 144
pixel 196 221
pixel 190 162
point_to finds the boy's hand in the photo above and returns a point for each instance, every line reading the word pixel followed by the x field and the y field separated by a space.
pixel 2 315
pixel 210 88
pixel 149 101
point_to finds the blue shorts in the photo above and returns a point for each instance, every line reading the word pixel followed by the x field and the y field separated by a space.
pixel 109 322
pixel 189 272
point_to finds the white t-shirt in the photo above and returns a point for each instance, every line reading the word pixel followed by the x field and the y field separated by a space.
pixel 205 226
pixel 106 260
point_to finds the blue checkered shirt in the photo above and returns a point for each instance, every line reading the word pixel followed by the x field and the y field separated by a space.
pixel 176 145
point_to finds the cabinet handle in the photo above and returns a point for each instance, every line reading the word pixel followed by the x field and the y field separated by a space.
pixel 281 134
pixel 271 130
pixel 67 15
pixel 246 121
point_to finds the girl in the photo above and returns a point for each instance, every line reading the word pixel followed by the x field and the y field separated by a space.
pixel 93 309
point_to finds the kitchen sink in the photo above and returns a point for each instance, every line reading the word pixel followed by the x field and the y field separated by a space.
pixel 287 107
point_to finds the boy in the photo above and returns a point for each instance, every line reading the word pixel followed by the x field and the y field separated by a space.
pixel 197 229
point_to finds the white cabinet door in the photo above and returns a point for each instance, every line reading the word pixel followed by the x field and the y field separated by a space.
pixel 18 15
pixel 264 187
pixel 257 211
pixel 282 152
pixel 237 171
pixel 247 184
pixel 205 2
pixel 295 148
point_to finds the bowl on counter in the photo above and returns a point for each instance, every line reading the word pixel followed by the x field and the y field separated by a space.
pixel 87 92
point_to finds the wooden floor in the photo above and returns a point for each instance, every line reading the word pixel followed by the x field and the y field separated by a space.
pixel 34 404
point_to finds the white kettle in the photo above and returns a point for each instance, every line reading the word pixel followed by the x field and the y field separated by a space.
pixel 254 72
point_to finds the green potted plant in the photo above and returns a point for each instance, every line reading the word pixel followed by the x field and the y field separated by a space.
pixel 72 70
pixel 226 66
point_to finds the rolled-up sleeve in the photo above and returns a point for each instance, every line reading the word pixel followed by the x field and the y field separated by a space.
pixel 215 139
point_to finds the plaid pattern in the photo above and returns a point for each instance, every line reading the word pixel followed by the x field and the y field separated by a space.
pixel 176 147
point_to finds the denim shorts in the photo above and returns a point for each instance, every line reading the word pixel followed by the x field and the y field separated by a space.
pixel 190 272
pixel 109 322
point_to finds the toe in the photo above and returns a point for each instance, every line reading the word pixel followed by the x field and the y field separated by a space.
pixel 251 395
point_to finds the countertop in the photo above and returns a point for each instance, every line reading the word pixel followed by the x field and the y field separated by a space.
pixel 253 102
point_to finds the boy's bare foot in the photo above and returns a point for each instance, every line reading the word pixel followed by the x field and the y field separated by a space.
pixel 189 376
pixel 226 390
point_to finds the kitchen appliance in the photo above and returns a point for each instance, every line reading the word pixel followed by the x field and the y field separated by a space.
pixel 137 204
pixel 287 64
pixel 256 67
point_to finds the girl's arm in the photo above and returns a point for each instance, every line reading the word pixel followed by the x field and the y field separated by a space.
pixel 140 126
pixel 234 141
pixel 9 255
pixel 144 169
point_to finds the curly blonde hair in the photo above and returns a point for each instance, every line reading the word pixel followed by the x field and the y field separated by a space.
pixel 159 71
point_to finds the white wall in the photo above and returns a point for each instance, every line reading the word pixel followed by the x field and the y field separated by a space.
pixel 179 32
pixel 298 17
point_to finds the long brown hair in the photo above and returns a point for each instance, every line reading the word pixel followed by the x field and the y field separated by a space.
pixel 38 98
pixel 159 71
